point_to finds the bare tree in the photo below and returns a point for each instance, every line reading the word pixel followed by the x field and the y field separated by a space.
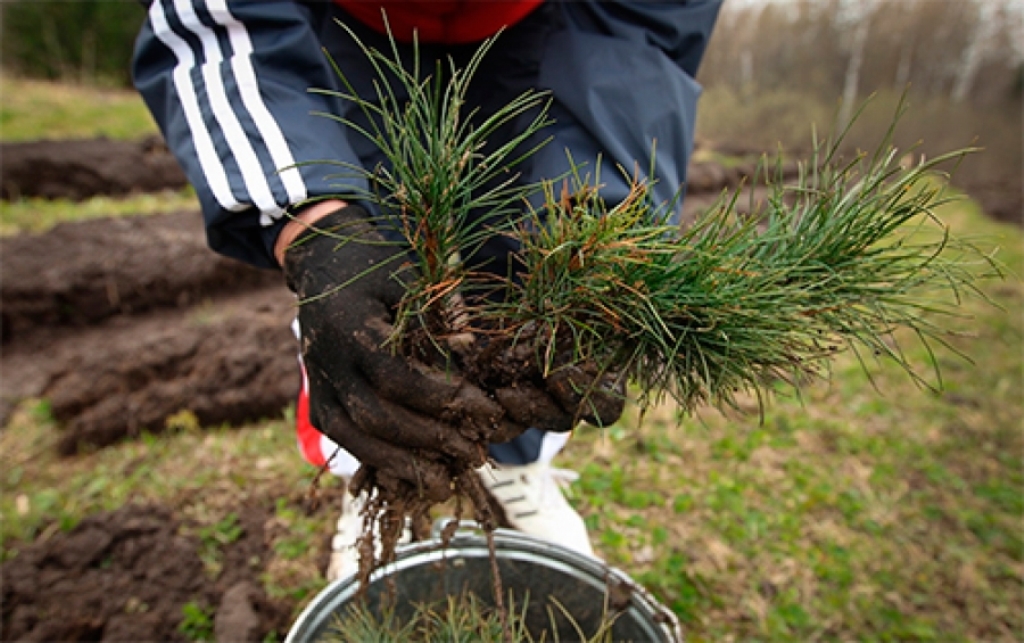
pixel 977 48
pixel 859 13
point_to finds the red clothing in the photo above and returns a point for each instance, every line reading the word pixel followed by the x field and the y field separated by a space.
pixel 447 22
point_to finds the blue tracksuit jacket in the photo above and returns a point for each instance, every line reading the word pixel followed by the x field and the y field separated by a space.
pixel 227 83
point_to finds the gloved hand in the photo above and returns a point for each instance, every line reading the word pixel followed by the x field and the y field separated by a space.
pixel 570 392
pixel 590 395
pixel 398 416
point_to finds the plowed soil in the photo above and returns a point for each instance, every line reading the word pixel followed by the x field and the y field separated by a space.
pixel 126 575
pixel 121 323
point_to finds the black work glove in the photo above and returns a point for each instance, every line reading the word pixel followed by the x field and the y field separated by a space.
pixel 586 393
pixel 402 418
pixel 571 391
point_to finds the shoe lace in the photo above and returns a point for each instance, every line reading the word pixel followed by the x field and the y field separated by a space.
pixel 554 480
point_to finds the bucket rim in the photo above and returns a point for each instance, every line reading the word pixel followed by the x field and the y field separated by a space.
pixel 513 544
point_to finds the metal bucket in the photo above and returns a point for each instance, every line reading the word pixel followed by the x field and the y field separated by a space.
pixel 539 575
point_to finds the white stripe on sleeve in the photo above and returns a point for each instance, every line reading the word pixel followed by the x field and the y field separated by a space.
pixel 248 163
pixel 248 86
pixel 209 162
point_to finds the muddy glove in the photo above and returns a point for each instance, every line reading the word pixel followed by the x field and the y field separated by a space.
pixel 568 393
pixel 566 397
pixel 392 414
pixel 586 393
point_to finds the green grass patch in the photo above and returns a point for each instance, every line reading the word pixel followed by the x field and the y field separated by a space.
pixel 33 109
pixel 196 622
pixel 203 475
pixel 36 215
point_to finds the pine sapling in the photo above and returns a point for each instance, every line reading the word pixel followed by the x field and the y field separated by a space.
pixel 842 259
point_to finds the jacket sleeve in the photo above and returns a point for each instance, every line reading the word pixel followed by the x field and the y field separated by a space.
pixel 228 84
pixel 622 77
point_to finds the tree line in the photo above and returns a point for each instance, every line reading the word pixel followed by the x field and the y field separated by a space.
pixel 775 69
pixel 87 41
pixel 963 50
pixel 966 50
pixel 773 66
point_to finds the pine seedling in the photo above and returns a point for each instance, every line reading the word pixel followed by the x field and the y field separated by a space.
pixel 841 260
pixel 440 171
pixel 462 617
pixel 439 174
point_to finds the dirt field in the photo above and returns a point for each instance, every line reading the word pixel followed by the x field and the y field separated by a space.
pixel 121 323
pixel 72 587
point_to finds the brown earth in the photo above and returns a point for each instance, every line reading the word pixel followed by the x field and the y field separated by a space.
pixel 78 169
pixel 131 575
pixel 122 323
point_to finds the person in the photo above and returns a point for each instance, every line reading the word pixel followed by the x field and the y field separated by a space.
pixel 229 85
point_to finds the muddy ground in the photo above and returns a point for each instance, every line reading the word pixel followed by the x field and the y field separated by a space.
pixel 121 323
pixel 126 575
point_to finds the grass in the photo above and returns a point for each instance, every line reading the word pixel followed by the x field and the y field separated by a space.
pixel 39 215
pixel 34 109
pixel 858 511
pixel 852 512
pixel 203 474
pixel 197 622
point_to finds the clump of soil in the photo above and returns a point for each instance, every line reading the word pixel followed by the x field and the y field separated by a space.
pixel 78 169
pixel 128 575
pixel 505 364
pixel 121 323
pixel 234 365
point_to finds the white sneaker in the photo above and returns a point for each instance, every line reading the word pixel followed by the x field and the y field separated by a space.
pixel 532 498
pixel 345 543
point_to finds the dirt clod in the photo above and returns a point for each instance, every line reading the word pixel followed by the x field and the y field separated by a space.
pixel 237 619
pixel 127 575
